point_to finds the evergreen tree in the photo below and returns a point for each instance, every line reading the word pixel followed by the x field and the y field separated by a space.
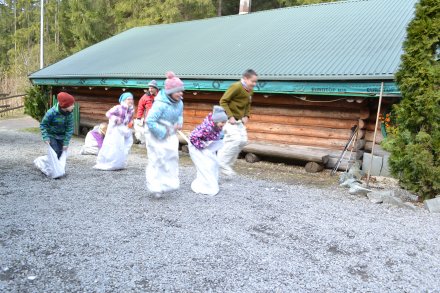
pixel 415 149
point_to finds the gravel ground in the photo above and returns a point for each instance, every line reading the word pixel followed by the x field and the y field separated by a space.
pixel 96 231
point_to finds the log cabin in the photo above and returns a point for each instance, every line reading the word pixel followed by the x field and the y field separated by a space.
pixel 321 69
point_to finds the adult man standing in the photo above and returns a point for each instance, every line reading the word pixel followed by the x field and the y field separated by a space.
pixel 144 105
pixel 237 102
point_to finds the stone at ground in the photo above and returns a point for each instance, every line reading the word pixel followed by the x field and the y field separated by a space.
pixel 433 205
pixel 377 196
pixel 355 170
pixel 311 167
pixel 388 197
pixel 349 182
pixel 343 177
pixel 385 171
pixel 356 189
pixel 376 165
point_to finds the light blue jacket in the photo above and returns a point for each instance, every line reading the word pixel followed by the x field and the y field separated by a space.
pixel 164 109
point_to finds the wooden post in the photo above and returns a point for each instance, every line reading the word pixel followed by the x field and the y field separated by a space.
pixel 375 133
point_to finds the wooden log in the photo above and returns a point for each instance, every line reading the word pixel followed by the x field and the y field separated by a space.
pixel 289 139
pixel 282 100
pixel 378 150
pixel 360 144
pixel 296 139
pixel 251 158
pixel 198 115
pixel 344 165
pixel 298 130
pixel 361 133
pixel 351 114
pixel 300 153
pixel 371 124
pixel 364 113
pixel 370 134
pixel 355 155
pixel 313 167
pixel 305 121
pixel 307 112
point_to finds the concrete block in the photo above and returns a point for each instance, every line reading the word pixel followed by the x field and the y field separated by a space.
pixel 375 167
pixel 433 205
pixel 385 171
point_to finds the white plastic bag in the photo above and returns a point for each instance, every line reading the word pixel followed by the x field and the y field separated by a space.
pixel 162 171
pixel 50 165
pixel 207 166
pixel 139 131
pixel 114 152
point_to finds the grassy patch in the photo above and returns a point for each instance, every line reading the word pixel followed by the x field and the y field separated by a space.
pixel 31 130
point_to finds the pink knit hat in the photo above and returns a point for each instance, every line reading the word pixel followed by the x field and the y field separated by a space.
pixel 173 84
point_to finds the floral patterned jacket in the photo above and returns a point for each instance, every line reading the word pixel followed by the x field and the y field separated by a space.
pixel 206 132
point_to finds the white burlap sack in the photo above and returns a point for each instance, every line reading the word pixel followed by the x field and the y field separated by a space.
pixel 50 165
pixel 114 152
pixel 207 166
pixel 162 171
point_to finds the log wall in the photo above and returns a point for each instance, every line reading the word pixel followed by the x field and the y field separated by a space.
pixel 275 119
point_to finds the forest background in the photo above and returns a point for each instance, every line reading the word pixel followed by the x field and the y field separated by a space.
pixel 72 25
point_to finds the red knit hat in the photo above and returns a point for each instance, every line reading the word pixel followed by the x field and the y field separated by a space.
pixel 65 100
pixel 173 84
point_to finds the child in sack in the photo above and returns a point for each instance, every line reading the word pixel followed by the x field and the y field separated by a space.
pixel 57 125
pixel 205 141
pixel 118 139
pixel 57 130
pixel 144 105
pixel 94 140
pixel 163 120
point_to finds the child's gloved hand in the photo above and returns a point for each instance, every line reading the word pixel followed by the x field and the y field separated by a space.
pixel 65 148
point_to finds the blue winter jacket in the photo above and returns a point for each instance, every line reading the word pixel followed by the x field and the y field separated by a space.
pixel 164 109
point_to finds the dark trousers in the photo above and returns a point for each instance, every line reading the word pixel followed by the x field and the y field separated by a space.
pixel 57 145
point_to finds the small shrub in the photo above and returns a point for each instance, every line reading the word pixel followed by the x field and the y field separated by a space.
pixel 36 102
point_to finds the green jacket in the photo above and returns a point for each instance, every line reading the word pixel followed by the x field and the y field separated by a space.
pixel 236 101
pixel 56 125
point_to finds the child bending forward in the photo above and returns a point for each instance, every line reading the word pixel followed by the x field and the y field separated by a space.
pixel 205 141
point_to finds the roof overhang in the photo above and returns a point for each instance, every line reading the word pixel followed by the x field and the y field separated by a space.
pixel 329 88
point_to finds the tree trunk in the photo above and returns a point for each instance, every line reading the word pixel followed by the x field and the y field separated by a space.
pixel 219 7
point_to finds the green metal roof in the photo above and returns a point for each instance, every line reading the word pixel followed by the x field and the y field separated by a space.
pixel 347 40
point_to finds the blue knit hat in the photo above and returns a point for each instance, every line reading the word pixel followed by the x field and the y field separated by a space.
pixel 125 96
pixel 219 114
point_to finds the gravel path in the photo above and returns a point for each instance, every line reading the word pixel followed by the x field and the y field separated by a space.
pixel 96 231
